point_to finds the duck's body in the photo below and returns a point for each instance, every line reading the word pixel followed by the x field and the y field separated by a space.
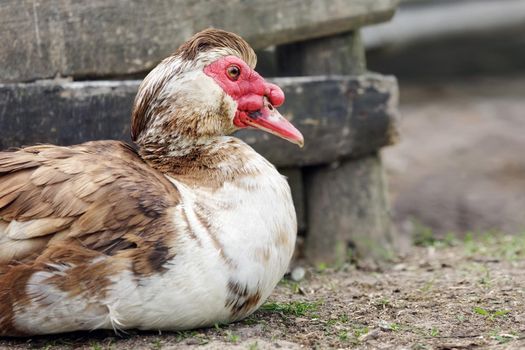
pixel 216 259
pixel 194 229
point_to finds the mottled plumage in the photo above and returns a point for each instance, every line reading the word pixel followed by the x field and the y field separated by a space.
pixel 192 229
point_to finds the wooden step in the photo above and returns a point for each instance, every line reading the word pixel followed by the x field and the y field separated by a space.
pixel 340 116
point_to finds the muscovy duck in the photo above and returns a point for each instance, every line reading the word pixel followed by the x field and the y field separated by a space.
pixel 194 228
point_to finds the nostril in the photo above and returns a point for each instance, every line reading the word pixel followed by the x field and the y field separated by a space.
pixel 270 107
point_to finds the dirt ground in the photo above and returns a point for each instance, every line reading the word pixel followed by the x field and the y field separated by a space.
pixel 446 294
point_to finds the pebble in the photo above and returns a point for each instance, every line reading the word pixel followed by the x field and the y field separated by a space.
pixel 298 273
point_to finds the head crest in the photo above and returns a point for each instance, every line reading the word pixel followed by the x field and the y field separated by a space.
pixel 212 38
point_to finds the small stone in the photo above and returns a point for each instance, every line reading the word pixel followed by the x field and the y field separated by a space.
pixel 298 274
pixel 385 326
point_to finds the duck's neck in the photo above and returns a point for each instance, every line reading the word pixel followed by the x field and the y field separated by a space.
pixel 206 162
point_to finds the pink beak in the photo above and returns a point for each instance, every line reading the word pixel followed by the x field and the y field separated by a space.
pixel 270 120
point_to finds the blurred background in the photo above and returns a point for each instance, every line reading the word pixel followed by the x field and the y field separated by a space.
pixel 413 114
pixel 460 162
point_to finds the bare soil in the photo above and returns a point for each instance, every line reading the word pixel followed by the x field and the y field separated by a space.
pixel 445 295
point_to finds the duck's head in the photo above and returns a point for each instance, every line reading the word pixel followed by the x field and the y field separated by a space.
pixel 208 88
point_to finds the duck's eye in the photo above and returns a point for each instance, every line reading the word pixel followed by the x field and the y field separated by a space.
pixel 233 72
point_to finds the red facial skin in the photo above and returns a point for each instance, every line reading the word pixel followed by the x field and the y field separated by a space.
pixel 255 98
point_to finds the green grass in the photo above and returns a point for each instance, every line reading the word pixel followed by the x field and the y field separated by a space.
pixel 495 245
pixel 492 244
pixel 353 335
pixel 182 335
pixel 96 346
pixel 251 320
pixel 343 318
pixel 502 337
pixel 490 315
pixel 394 327
pixel 424 236
pixel 360 331
pixel 382 303
pixel 253 346
pixel 321 267
pixel 232 337
pixel 294 286
pixel 343 336
pixel 434 332
pixel 200 337
pixel 156 344
pixel 295 308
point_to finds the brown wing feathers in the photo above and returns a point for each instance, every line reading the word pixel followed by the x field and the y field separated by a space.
pixel 99 195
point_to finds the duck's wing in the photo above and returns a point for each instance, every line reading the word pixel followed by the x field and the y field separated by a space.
pixel 74 219
pixel 98 196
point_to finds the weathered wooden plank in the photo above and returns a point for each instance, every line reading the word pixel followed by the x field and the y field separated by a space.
pixel 348 215
pixel 423 21
pixel 340 117
pixel 101 38
pixel 65 113
pixel 295 179
pixel 340 54
pixel 347 209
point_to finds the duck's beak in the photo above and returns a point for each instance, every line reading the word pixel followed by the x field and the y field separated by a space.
pixel 270 120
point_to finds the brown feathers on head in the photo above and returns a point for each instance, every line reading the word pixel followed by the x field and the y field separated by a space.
pixel 212 38
pixel 200 49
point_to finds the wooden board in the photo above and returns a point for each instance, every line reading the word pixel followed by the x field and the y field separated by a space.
pixel 424 21
pixel 340 117
pixel 43 39
pixel 348 214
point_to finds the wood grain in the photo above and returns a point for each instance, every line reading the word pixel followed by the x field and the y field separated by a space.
pixel 340 117
pixel 43 39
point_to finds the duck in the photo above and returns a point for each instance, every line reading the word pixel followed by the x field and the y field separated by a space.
pixel 189 228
